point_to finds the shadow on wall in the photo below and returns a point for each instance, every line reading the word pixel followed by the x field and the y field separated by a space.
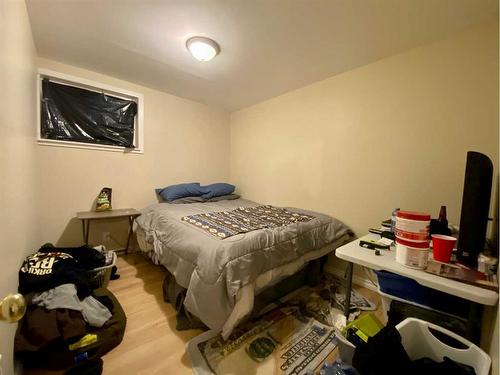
pixel 72 234
pixel 111 233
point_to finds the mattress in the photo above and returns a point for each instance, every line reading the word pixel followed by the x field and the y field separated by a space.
pixel 223 275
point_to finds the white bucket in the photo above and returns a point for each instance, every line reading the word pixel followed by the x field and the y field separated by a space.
pixel 412 226
pixel 411 236
pixel 413 222
pixel 417 226
pixel 412 254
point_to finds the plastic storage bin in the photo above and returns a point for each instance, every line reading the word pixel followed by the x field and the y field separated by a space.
pixel 386 300
pixel 404 288
pixel 397 310
pixel 420 342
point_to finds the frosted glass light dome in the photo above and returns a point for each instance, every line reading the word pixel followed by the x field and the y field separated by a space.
pixel 202 49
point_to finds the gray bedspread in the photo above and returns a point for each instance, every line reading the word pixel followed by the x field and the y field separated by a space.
pixel 213 270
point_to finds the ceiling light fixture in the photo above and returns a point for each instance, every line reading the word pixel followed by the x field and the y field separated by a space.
pixel 202 49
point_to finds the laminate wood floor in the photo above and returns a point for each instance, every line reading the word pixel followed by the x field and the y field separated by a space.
pixel 151 344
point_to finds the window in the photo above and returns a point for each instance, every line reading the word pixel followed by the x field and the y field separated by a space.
pixel 75 112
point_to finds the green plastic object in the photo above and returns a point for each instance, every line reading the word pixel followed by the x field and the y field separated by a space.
pixel 366 326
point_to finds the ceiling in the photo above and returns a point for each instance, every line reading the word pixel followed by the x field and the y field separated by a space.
pixel 268 47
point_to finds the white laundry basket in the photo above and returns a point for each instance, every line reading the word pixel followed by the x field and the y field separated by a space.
pixel 419 342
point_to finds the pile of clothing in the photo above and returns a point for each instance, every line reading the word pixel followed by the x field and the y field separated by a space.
pixel 62 310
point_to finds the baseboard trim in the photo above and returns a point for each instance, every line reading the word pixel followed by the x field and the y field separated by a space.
pixel 356 279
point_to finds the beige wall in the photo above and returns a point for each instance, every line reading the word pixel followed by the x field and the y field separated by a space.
pixel 184 141
pixel 393 133
pixel 18 206
pixel 390 134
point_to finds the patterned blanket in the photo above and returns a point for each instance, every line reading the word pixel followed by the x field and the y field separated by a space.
pixel 225 224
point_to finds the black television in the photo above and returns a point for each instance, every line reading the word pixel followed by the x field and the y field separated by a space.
pixel 475 208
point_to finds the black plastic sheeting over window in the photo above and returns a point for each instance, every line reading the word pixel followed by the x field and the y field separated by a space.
pixel 74 114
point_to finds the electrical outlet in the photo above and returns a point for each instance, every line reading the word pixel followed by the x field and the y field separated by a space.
pixel 106 236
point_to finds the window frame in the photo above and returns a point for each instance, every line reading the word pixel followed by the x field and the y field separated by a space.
pixel 86 84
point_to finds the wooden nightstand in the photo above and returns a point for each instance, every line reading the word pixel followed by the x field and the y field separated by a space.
pixel 87 216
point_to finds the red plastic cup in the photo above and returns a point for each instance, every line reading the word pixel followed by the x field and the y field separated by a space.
pixel 442 247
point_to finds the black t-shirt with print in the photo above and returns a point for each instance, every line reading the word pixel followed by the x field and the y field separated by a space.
pixel 87 257
pixel 46 270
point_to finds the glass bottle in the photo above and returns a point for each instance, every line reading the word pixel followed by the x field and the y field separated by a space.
pixel 442 217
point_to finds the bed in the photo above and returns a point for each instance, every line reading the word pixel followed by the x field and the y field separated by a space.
pixel 223 275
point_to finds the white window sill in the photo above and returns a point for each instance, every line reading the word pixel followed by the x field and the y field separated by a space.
pixel 88 146
pixel 99 87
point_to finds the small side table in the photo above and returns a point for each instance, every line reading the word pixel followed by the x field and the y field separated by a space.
pixel 87 216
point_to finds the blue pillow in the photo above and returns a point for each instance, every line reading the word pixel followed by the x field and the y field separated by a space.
pixel 217 190
pixel 173 192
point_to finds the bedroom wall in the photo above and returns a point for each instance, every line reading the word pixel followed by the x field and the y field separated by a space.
pixel 18 211
pixel 184 142
pixel 390 134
